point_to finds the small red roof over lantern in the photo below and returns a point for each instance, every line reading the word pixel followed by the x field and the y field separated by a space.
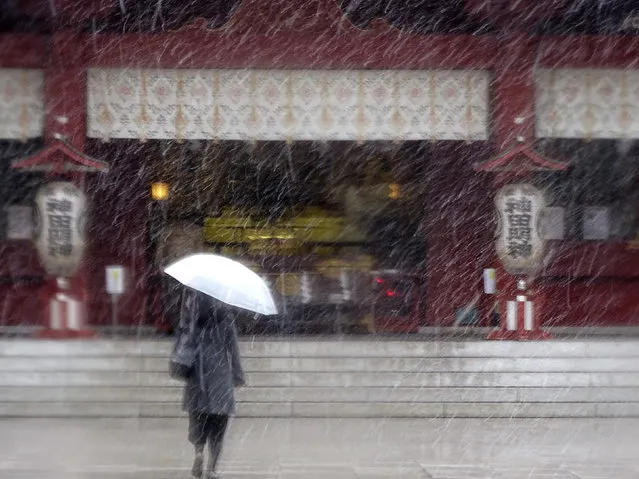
pixel 60 157
pixel 520 159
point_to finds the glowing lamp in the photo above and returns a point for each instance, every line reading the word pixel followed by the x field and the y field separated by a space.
pixel 160 191
pixel 394 191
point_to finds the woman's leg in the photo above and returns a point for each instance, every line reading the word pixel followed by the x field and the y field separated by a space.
pixel 216 439
pixel 198 433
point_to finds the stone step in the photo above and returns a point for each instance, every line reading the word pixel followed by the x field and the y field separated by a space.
pixel 372 347
pixel 341 365
pixel 127 409
pixel 116 379
pixel 323 409
pixel 327 379
pixel 482 410
pixel 329 395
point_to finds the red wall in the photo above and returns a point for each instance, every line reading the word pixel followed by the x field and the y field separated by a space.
pixel 20 274
pixel 459 229
pixel 117 230
pixel 592 283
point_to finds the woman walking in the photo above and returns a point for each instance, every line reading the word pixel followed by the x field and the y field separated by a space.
pixel 209 395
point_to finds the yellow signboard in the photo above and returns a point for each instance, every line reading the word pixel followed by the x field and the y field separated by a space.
pixel 310 227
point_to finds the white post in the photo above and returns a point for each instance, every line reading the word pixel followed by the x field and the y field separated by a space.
pixel 528 316
pixel 511 315
pixel 55 314
pixel 114 310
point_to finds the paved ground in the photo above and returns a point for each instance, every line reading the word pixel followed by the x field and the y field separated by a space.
pixel 322 449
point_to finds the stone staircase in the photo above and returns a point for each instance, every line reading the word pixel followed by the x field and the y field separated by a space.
pixel 330 377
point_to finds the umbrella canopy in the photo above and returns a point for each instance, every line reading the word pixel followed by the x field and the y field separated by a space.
pixel 226 280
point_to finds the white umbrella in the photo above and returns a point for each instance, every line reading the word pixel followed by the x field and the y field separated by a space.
pixel 224 279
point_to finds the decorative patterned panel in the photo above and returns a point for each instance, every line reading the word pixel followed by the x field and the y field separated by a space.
pixel 21 104
pixel 295 105
pixel 587 103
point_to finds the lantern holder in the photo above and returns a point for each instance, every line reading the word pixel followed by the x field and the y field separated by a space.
pixel 63 298
pixel 519 319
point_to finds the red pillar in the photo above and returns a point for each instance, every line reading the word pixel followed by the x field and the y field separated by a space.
pixel 65 94
pixel 514 123
pixel 65 118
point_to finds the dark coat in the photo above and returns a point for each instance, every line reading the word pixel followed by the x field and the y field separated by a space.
pixel 217 369
pixel 171 292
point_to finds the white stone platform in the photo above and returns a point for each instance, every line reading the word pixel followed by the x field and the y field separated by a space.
pixel 326 449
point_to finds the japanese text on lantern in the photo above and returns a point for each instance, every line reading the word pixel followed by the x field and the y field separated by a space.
pixel 519 246
pixel 59 237
pixel 519 231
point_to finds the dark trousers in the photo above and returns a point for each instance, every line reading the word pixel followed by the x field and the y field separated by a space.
pixel 209 428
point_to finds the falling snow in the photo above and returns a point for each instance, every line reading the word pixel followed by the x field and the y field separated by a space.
pixel 427 214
